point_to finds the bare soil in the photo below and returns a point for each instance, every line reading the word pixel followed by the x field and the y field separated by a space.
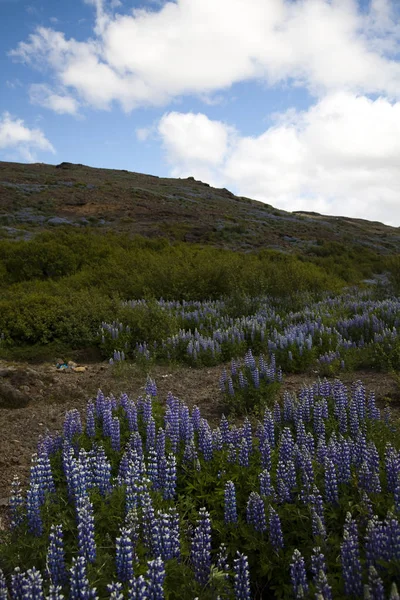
pixel 51 393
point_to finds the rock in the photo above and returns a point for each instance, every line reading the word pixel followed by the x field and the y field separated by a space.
pixel 10 397
pixel 7 371
pixel 59 221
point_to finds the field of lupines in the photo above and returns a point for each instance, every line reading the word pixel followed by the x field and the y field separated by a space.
pixel 337 333
pixel 143 498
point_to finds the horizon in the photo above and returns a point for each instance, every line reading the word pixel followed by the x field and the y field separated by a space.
pixel 295 104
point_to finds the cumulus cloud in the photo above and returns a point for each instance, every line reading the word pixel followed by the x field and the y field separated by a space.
pixel 42 95
pixel 15 135
pixel 338 157
pixel 189 47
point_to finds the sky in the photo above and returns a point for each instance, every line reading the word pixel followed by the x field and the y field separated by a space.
pixel 292 102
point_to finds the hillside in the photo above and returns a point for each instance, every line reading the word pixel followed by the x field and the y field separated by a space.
pixel 36 197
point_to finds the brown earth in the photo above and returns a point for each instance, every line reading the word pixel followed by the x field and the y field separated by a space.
pixel 49 393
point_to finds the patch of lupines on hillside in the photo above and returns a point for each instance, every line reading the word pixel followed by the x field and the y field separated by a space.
pixel 302 503
pixel 328 334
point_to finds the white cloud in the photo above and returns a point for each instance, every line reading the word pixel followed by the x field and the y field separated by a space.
pixel 42 95
pixel 15 135
pixel 192 47
pixel 341 156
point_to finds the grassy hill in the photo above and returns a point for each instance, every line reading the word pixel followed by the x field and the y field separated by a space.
pixel 76 243
pixel 36 197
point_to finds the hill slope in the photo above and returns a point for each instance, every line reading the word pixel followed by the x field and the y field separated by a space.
pixel 36 197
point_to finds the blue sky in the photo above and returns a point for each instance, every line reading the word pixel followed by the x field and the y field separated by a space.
pixel 292 102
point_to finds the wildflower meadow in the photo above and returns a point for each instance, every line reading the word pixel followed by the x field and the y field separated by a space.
pixel 143 498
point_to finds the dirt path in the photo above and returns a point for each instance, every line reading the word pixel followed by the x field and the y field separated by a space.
pixel 52 393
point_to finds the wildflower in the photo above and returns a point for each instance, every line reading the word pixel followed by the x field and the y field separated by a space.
pixel 241 584
pixel 275 530
pixel 55 557
pixel 124 555
pixel 298 576
pixel 230 513
pixel 201 548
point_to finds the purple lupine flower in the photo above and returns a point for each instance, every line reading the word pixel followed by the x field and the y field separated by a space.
pixel 17 579
pixel 344 463
pixel 151 528
pixel 151 387
pixel 205 441
pixel 224 427
pixel 282 489
pixel 85 520
pixel 318 562
pixel 170 478
pixel 201 548
pixel 56 558
pixel 115 590
pixel 350 556
pixel 372 410
pixel 35 524
pixel 115 435
pixel 365 477
pixel 72 424
pixel 241 584
pixel 169 532
pixel 152 468
pixel 375 585
pixel 222 560
pixel 124 555
pixel 323 590
pixel 298 575
pixel 269 427
pixel 217 441
pixel 3 587
pixel 393 529
pixel 150 434
pixel 196 417
pixel 392 467
pixel 136 444
pixel 230 513
pixel 17 503
pixel 131 522
pixel 99 404
pixel 247 433
pixel 286 445
pixel 317 520
pixel 79 584
pixel 378 541
pixel 107 420
pixel 55 592
pixel 131 415
pixel 275 530
pixel 331 487
pixel 255 512
pixel 354 419
pixel 266 487
pixel 321 451
pixel 232 454
pixel 265 450
pixel 102 472
pixel 277 413
pixel 156 577
pixel 90 419
pixel 291 476
pixel 32 585
pixel 138 589
pixel 243 453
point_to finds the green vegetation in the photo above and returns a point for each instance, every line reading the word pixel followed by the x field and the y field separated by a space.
pixel 58 287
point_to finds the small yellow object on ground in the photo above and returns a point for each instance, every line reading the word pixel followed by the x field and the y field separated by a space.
pixel 80 369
